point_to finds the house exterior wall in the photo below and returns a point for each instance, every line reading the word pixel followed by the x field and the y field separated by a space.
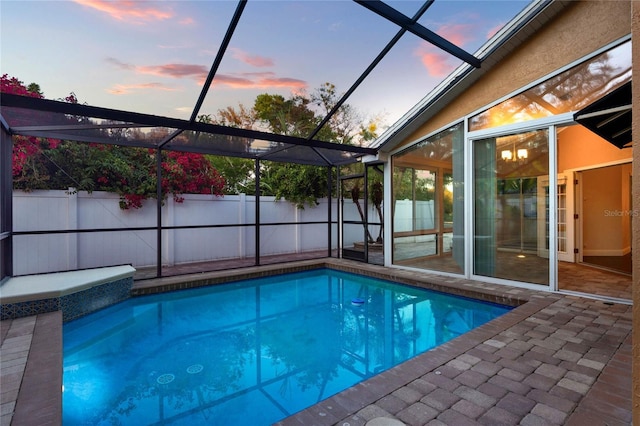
pixel 577 31
pixel 635 46
pixel 580 29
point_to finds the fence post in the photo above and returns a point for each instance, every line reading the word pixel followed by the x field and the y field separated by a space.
pixel 170 234
pixel 242 217
pixel 72 224
pixel 296 215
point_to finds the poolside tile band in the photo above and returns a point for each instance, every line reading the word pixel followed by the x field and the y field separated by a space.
pixel 73 305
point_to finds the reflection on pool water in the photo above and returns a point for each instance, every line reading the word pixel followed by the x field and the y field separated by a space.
pixel 251 352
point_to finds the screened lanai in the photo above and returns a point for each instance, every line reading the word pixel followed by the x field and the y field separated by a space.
pixel 227 65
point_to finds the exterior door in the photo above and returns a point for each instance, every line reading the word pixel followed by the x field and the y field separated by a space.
pixel 361 206
pixel 565 218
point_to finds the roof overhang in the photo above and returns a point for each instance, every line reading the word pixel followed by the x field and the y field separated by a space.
pixel 610 117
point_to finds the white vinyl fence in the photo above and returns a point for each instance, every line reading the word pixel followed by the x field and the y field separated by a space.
pixel 64 210
pixel 80 211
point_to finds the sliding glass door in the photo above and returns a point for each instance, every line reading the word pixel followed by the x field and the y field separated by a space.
pixel 428 203
pixel 506 224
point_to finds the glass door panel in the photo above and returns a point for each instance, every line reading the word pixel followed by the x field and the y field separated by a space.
pixel 428 203
pixel 353 210
pixel 506 199
pixel 361 206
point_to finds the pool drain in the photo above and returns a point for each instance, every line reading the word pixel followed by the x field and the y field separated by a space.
pixel 195 368
pixel 165 379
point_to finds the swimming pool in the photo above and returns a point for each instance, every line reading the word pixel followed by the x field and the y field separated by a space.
pixel 250 352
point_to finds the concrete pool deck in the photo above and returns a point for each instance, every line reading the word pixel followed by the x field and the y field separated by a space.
pixel 554 359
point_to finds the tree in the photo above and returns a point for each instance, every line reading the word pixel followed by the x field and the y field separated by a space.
pixel 238 173
pixel 299 184
pixel 299 116
pixel 343 124
pixel 296 183
pixel 40 163
pixel 285 117
pixel 28 170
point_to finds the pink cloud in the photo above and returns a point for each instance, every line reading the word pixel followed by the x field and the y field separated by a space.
pixel 259 81
pixel 125 89
pixel 458 34
pixel 254 60
pixel 187 21
pixel 128 10
pixel 198 72
pixel 438 63
pixel 232 81
pixel 253 80
pixel 292 83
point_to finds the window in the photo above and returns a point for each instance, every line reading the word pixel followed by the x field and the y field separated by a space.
pixel 428 203
pixel 568 91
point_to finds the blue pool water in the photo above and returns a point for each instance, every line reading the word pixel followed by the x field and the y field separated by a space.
pixel 249 353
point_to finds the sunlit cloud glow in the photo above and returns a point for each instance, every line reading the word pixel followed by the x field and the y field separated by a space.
pixel 253 60
pixel 187 21
pixel 125 89
pixel 198 72
pixel 437 62
pixel 458 34
pixel 250 80
pixel 259 81
pixel 128 11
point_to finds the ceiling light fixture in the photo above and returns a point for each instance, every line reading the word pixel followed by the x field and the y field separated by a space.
pixel 514 155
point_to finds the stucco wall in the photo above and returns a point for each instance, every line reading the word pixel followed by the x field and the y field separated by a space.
pixel 635 37
pixel 626 204
pixel 580 29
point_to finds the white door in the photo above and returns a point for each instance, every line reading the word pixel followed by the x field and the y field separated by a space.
pixel 565 217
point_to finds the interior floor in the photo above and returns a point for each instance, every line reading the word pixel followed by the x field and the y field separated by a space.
pixel 613 263
pixel 584 278
pixel 577 277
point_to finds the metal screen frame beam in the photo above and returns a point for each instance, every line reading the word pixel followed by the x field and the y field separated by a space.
pixel 6 204
pixel 218 59
pixel 390 14
pixel 139 119
pixel 369 69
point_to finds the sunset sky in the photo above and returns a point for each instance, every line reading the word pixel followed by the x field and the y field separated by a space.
pixel 153 56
